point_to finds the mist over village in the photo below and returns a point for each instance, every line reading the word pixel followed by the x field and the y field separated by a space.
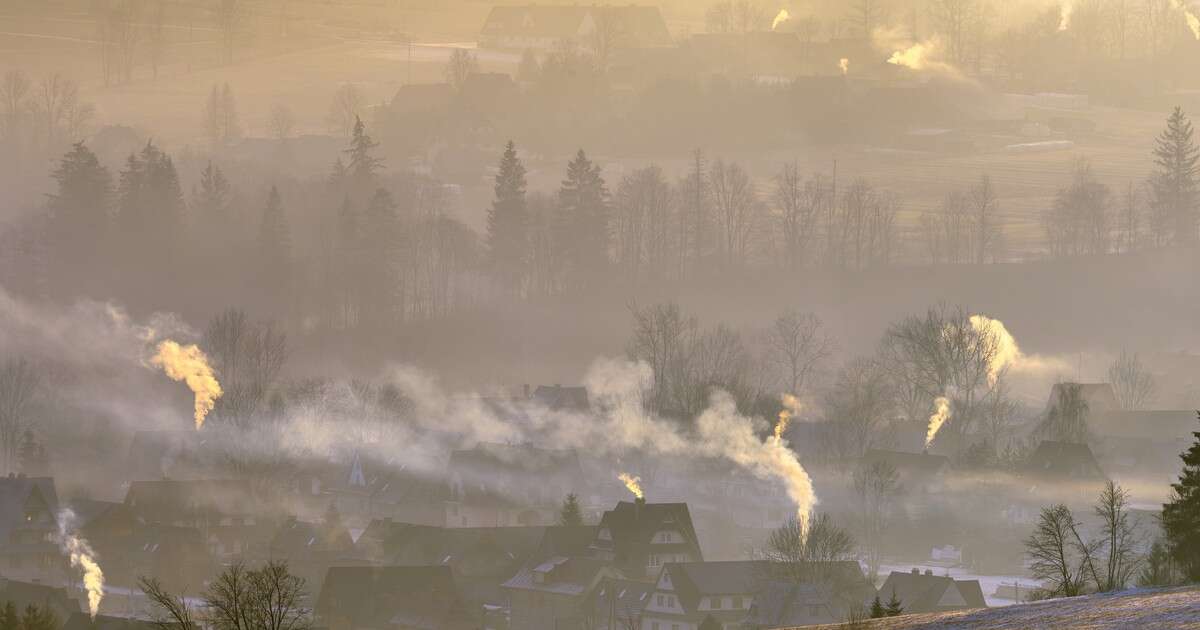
pixel 567 315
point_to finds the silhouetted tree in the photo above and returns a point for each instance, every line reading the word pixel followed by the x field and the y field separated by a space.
pixel 507 223
pixel 362 164
pixel 461 65
pixel 78 222
pixel 583 219
pixel 570 515
pixel 274 252
pixel 1174 185
pixel 32 456
pixel 1132 383
pixel 39 618
pixel 894 606
pixel 9 619
pixel 19 384
pixel 1181 514
pixel 345 109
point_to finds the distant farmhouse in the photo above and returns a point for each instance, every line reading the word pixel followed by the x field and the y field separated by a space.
pixel 539 27
pixel 639 538
pixel 927 593
pixel 28 525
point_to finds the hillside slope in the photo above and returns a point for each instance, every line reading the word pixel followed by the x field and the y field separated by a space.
pixel 1169 608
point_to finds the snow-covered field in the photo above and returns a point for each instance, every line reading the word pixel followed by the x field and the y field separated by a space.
pixel 1142 609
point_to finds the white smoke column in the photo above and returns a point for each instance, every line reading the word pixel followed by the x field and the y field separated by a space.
pixel 633 484
pixel 1193 21
pixel 940 415
pixel 82 557
pixel 780 18
pixel 844 66
pixel 1007 351
pixel 791 407
pixel 726 433
pixel 1065 12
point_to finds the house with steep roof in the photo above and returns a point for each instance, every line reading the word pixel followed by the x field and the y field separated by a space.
pixel 1064 461
pixel 393 597
pixel 916 472
pixel 1099 397
pixel 753 593
pixel 84 621
pixel 928 593
pixel 311 548
pixel 638 538
pixel 543 27
pixel 227 513
pixel 556 592
pixel 29 528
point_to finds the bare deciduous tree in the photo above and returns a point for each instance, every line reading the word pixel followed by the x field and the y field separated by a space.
pixel 661 337
pixel 797 346
pixel 461 65
pixel 736 205
pixel 1122 561
pixel 875 486
pixel 1053 554
pixel 800 556
pixel 855 407
pixel 19 384
pixel 14 88
pixel 799 204
pixel 346 109
pixel 266 598
pixel 281 121
pixel 248 358
pixel 1132 383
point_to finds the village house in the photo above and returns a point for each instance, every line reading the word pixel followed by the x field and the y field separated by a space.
pixel 391 598
pixel 310 549
pixel 556 592
pixel 29 529
pixel 690 596
pixel 928 593
pixel 1064 462
pixel 132 547
pixel 84 621
pixel 638 538
pixel 618 604
pixel 228 515
pixel 544 27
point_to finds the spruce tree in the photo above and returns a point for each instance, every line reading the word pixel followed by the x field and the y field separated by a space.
pixel 211 199
pixel 507 221
pixel 78 218
pixel 1181 516
pixel 893 608
pixel 877 610
pixel 570 515
pixel 9 619
pixel 274 250
pixel 1175 185
pixel 363 165
pixel 583 217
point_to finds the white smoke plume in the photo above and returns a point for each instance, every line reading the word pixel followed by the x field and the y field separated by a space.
pixel 940 415
pixel 780 18
pixel 1193 21
pixel 1065 12
pixel 83 558
pixel 925 57
pixel 633 484
pixel 1008 355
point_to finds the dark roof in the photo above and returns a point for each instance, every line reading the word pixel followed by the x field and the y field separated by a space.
pixel 559 574
pixel 558 398
pixel 22 594
pixel 626 598
pixel 923 592
pixel 565 541
pixel 781 604
pixel 15 491
pixel 375 597
pixel 295 538
pixel 637 523
pixel 924 464
pixel 1064 460
pixel 84 621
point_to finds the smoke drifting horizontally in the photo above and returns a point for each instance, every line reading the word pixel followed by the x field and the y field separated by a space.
pixel 780 18
pixel 188 363
pixel 82 557
pixel 634 484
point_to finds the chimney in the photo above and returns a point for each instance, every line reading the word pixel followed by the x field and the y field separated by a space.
pixel 916 571
pixel 928 571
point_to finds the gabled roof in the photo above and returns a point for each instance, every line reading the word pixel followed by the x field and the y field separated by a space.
pixel 1064 460
pixel 908 464
pixel 84 621
pixel 626 597
pixel 923 592
pixel 15 492
pixel 561 575
pixel 22 594
pixel 375 597
pixel 636 523
pixel 295 538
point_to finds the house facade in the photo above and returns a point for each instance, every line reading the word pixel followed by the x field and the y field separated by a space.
pixel 638 538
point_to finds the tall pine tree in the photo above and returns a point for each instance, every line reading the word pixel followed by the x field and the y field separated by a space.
pixel 1181 516
pixel 149 220
pixel 78 220
pixel 583 219
pixel 274 251
pixel 570 515
pixel 363 165
pixel 507 221
pixel 1174 184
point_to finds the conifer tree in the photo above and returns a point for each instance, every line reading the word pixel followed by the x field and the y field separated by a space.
pixel 211 199
pixel 78 221
pixel 363 165
pixel 274 250
pixel 38 618
pixel 583 217
pixel 1181 516
pixel 1176 183
pixel 877 610
pixel 893 608
pixel 507 221
pixel 570 515
pixel 9 619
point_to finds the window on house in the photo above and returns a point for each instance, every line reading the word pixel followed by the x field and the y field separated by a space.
pixel 728 603
pixel 738 602
pixel 813 611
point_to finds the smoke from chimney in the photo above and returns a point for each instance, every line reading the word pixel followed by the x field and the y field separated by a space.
pixel 81 557
pixel 188 363
pixel 634 484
